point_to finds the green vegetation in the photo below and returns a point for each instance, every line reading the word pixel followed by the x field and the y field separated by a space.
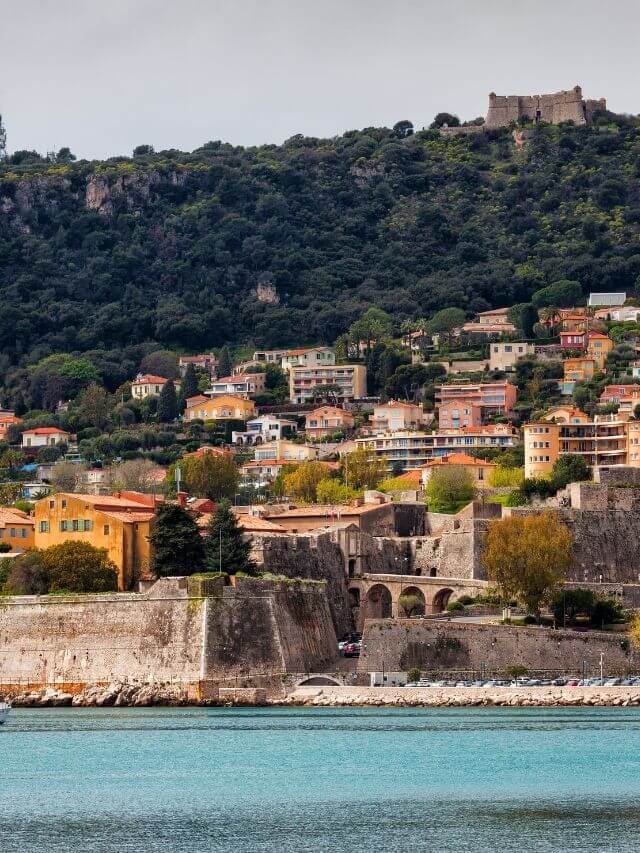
pixel 449 489
pixel 570 606
pixel 69 567
pixel 177 545
pixel 226 548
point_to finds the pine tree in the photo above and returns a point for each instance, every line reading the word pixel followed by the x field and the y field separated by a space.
pixel 168 403
pixel 176 542
pixel 224 362
pixel 226 549
pixel 189 387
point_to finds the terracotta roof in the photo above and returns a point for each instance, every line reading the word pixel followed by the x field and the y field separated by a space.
pixel 10 515
pixel 259 463
pixel 123 515
pixel 303 350
pixel 412 477
pixel 198 398
pixel 45 431
pixel 208 449
pixel 395 404
pixel 599 335
pixel 321 511
pixel 460 459
pixel 150 379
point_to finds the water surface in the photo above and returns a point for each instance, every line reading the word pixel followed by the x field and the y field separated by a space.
pixel 320 780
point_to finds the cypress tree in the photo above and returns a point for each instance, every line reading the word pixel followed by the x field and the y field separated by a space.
pixel 168 403
pixel 225 546
pixel 176 542
pixel 189 387
pixel 224 362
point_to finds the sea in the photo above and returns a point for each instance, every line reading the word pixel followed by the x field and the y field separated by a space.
pixel 184 780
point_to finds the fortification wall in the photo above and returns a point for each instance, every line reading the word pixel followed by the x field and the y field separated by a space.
pixel 405 643
pixel 178 632
pixel 554 108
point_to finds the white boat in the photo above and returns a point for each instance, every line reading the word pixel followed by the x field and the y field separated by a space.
pixel 4 712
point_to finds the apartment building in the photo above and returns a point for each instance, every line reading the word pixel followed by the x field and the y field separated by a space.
pixel 348 380
pixel 410 450
pixel 397 415
pixel 244 385
pixel 327 420
pixel 493 398
pixel 308 357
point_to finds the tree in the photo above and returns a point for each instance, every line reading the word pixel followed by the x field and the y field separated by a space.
pixel 210 476
pixel 302 482
pixel 411 604
pixel 176 543
pixel 65 476
pixel 94 405
pixel 528 557
pixel 189 387
pixel 445 321
pixel 168 403
pixel 374 325
pixel 564 293
pixel 449 488
pixel 362 469
pixel 161 362
pixel 224 362
pixel 403 129
pixel 523 316
pixel 410 381
pixel 568 604
pixel 27 575
pixel 332 491
pixel 443 119
pixel 11 460
pixel 227 549
pixel 76 566
pixel 569 468
pixel 143 150
pixel 137 475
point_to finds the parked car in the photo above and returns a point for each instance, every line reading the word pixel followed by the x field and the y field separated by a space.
pixel 351 650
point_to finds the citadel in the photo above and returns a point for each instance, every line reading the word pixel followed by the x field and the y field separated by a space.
pixel 553 109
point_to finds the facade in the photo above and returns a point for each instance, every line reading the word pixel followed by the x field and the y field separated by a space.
pixel 148 385
pixel 7 419
pixel 206 361
pixel 479 469
pixel 223 408
pixel 243 385
pixel 579 369
pixel 410 450
pixel 397 415
pixel 121 524
pixel 308 357
pixel 598 348
pixel 553 108
pixel 327 420
pixel 604 440
pixel 609 300
pixel 624 314
pixel 456 414
pixel 491 323
pixel 350 381
pixel 265 428
pixel 492 397
pixel 573 339
pixel 16 529
pixel 270 356
pixel 503 356
pixel 45 437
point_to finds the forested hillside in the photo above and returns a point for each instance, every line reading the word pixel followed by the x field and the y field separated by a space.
pixel 169 247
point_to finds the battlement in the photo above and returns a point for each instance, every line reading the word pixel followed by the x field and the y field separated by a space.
pixel 567 105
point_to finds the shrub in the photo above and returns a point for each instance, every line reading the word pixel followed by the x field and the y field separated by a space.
pixel 529 620
pixel 411 604
pixel 516 670
pixel 466 599
pixel 606 611
pixel 414 674
pixel 455 606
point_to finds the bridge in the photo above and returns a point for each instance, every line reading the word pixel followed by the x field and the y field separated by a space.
pixel 377 596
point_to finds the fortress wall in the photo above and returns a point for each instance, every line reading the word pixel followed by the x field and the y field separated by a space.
pixel 405 643
pixel 554 108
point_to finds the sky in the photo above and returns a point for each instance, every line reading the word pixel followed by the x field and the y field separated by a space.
pixel 103 77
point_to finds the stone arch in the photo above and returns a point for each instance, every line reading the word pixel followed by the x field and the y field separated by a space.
pixel 378 602
pixel 258 439
pixel 316 680
pixel 441 599
pixel 418 607
pixel 354 596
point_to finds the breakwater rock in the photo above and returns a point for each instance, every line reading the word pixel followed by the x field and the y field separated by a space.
pixel 459 697
pixel 99 696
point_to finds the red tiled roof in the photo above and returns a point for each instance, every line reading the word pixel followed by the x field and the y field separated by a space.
pixel 45 431
pixel 460 459
pixel 150 379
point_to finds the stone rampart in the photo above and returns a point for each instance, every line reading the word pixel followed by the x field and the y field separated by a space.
pixel 567 105
pixel 400 644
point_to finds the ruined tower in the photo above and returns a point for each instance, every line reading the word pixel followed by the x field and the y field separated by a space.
pixel 554 109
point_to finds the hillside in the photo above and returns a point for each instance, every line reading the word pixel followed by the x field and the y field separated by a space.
pixel 170 247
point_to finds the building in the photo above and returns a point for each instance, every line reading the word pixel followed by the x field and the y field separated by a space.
pixel 242 385
pixel 623 314
pixel 45 437
pixel 223 408
pixel 120 523
pixel 95 481
pixel 327 420
pixel 554 108
pixel 479 469
pixel 579 369
pixel 601 440
pixel 270 356
pixel 7 419
pixel 491 323
pixel 598 348
pixel 456 414
pixel 308 357
pixel 287 451
pixel 494 398
pixel 573 339
pixel 607 300
pixel 374 513
pixel 148 385
pixel 396 415
pixel 16 529
pixel 616 393
pixel 573 319
pixel 270 459
pixel 206 362
pixel 265 428
pixel 349 382
pixel 503 356
pixel 407 450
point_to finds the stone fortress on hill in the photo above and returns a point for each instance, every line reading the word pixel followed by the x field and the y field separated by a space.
pixel 554 109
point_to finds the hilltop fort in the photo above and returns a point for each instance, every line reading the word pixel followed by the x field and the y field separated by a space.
pixel 554 108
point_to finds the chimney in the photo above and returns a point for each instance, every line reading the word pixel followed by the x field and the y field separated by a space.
pixel 182 499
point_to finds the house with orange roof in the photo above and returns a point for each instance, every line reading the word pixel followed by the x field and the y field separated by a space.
pixel 16 529
pixel 226 407
pixel 598 348
pixel 119 523
pixel 205 361
pixel 479 469
pixel 45 437
pixel 327 420
pixel 397 415
pixel 7 419
pixel 308 357
pixel 491 323
pixel 240 385
pixel 148 385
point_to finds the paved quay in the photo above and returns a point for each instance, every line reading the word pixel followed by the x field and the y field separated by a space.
pixel 331 696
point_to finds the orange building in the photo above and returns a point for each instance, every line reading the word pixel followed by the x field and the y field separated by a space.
pixel 16 529
pixel 327 420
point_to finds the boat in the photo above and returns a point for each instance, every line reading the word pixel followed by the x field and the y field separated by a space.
pixel 4 712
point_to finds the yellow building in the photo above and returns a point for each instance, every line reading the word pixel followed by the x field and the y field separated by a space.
pixel 119 523
pixel 579 369
pixel 225 407
pixel 598 348
pixel 16 529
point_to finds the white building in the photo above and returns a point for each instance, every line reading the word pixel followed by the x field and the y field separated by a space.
pixel 44 437
pixel 266 428
pixel 148 385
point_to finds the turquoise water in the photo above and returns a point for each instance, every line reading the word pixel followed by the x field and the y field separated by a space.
pixel 320 780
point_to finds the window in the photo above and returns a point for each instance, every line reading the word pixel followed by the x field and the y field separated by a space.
pixel 52 504
pixel 64 526
pixel 63 503
pixel 12 533
pixel 88 524
pixel 105 530
pixel 23 533
pixel 44 526
pixel 75 525
pixel 508 349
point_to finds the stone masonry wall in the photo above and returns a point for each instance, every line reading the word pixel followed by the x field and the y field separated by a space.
pixel 404 643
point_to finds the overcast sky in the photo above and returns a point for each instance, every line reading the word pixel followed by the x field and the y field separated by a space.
pixel 102 76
